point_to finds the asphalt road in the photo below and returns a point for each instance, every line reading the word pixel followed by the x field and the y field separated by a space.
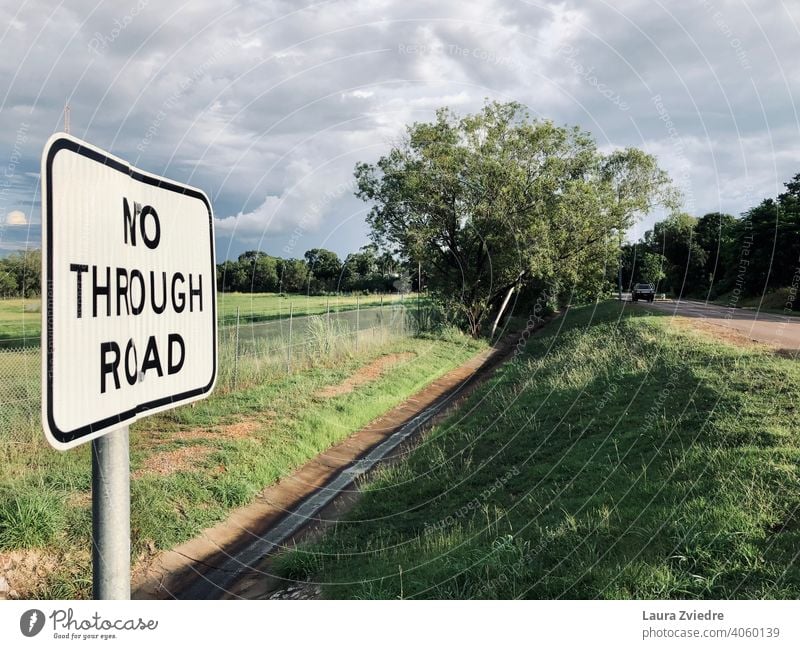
pixel 781 331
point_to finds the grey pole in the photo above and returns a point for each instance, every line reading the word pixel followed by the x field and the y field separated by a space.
pixel 111 516
pixel 419 290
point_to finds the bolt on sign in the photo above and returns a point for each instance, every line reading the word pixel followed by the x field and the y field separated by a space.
pixel 129 323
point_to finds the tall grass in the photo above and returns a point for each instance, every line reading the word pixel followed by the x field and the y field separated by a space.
pixel 29 518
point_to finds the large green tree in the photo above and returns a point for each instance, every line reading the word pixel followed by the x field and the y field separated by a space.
pixel 260 270
pixel 25 270
pixel 8 284
pixel 292 275
pixel 491 202
pixel 715 233
pixel 767 246
pixel 685 267
pixel 324 269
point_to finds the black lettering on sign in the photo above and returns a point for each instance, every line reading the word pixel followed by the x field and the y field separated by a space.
pixel 136 309
pixel 99 289
pixel 178 306
pixel 141 213
pixel 80 269
pixel 107 367
pixel 129 220
pixel 131 373
pixel 122 291
pixel 195 291
pixel 111 357
pixel 150 242
pixel 174 365
pixel 151 357
pixel 158 308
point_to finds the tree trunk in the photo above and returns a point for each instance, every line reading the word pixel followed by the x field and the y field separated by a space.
pixel 474 319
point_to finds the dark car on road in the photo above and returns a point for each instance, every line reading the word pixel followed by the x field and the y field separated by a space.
pixel 643 292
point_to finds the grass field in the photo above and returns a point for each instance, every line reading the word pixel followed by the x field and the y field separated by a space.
pixel 269 306
pixel 20 320
pixel 775 301
pixel 617 457
pixel 192 465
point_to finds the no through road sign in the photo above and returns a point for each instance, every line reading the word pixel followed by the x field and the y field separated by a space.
pixel 129 303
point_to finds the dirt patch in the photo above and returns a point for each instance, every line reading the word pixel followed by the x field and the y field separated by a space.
pixel 237 430
pixel 717 331
pixel 365 375
pixel 166 463
pixel 80 499
pixel 241 429
pixel 22 572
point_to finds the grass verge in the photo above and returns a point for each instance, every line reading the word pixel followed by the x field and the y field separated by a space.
pixel 192 465
pixel 616 457
pixel 780 301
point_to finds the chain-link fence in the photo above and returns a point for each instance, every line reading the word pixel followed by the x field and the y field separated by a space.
pixel 248 353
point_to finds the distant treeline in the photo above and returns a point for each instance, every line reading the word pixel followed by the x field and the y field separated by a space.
pixel 718 254
pixel 320 271
pixel 21 274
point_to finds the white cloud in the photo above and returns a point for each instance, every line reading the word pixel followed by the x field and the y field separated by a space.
pixel 15 217
pixel 268 106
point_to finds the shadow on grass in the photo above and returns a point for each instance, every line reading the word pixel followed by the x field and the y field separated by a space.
pixel 614 458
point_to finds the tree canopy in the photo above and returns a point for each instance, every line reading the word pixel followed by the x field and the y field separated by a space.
pixel 20 274
pixel 495 201
pixel 718 253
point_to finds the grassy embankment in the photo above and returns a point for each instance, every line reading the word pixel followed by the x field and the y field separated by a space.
pixel 778 301
pixel 192 465
pixel 617 457
pixel 21 319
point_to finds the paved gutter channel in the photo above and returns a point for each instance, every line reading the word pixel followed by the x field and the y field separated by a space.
pixel 275 523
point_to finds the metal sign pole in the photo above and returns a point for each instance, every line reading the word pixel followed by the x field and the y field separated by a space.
pixel 111 516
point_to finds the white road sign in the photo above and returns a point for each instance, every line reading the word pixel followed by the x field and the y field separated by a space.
pixel 129 322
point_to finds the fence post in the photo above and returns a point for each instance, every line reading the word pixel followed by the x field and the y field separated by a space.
pixel 358 322
pixel 419 291
pixel 289 348
pixel 236 350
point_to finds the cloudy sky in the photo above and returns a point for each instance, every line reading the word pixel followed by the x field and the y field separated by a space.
pixel 268 105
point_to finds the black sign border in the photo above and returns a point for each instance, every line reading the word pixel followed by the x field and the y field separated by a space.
pixel 69 437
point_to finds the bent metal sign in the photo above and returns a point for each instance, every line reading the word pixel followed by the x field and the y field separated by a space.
pixel 129 322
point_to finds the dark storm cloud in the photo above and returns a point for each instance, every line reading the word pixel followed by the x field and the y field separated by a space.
pixel 268 105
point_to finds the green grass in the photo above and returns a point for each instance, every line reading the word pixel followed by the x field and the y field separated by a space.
pixel 775 301
pixel 616 457
pixel 29 518
pixel 256 307
pixel 20 320
pixel 45 497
